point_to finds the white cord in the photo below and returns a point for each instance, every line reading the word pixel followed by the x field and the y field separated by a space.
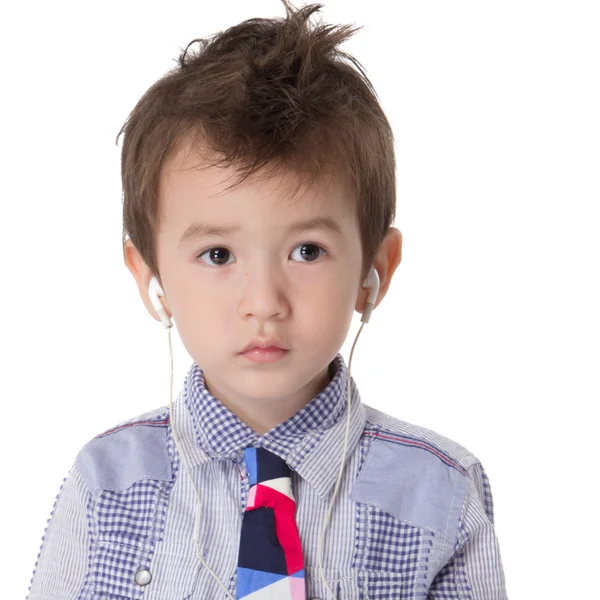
pixel 196 540
pixel 188 471
pixel 319 551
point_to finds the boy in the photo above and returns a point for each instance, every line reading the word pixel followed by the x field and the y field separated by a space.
pixel 261 143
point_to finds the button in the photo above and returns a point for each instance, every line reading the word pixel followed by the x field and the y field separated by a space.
pixel 143 577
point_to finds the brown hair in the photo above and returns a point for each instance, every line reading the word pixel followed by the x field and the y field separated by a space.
pixel 264 93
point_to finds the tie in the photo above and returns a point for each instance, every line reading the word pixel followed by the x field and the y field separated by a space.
pixel 270 561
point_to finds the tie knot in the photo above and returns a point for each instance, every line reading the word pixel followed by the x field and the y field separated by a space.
pixel 263 465
pixel 269 479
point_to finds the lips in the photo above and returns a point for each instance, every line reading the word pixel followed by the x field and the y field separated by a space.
pixel 265 355
pixel 265 343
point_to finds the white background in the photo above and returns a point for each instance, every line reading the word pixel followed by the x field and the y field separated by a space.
pixel 489 332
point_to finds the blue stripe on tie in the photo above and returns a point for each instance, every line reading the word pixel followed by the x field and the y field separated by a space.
pixel 251 580
pixel 299 573
pixel 250 458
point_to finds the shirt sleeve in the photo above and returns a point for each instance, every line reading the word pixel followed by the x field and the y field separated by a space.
pixel 475 570
pixel 61 565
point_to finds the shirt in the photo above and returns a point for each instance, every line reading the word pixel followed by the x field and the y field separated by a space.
pixel 413 517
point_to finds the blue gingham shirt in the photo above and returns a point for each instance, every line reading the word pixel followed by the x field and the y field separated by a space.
pixel 412 519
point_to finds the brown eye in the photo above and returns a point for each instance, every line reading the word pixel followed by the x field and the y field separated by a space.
pixel 218 255
pixel 309 252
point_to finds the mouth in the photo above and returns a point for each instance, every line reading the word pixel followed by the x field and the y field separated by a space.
pixel 265 355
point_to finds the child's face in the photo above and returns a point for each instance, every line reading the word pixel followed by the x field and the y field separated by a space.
pixel 261 281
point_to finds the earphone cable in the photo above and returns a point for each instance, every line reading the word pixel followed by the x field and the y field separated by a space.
pixel 182 461
pixel 342 464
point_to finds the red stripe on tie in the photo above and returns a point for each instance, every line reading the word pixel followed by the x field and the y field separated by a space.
pixel 266 496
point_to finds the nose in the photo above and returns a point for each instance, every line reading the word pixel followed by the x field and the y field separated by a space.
pixel 264 294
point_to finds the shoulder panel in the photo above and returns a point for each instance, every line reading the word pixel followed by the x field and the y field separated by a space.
pixel 133 450
pixel 413 473
pixel 430 440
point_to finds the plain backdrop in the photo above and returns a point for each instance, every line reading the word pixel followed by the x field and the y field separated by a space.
pixel 489 332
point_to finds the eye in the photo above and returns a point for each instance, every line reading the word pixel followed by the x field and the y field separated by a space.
pixel 312 249
pixel 220 254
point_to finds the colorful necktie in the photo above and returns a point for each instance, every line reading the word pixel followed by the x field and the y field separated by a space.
pixel 270 561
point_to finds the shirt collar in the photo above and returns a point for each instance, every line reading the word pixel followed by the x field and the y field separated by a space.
pixel 311 441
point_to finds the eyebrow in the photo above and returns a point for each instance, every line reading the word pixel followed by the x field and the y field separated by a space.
pixel 198 230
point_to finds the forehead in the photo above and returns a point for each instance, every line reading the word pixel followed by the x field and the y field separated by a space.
pixel 191 189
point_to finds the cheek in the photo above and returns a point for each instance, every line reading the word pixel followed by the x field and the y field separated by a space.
pixel 327 307
pixel 196 312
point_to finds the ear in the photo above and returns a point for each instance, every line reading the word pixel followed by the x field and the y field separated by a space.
pixel 387 259
pixel 142 275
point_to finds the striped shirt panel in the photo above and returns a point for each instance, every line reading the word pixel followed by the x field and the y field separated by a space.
pixel 62 561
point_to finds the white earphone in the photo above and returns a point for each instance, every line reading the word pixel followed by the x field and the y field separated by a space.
pixel 155 291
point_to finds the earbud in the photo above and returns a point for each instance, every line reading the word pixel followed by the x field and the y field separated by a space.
pixel 372 281
pixel 154 291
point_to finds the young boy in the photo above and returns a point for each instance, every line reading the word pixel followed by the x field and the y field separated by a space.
pixel 261 481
